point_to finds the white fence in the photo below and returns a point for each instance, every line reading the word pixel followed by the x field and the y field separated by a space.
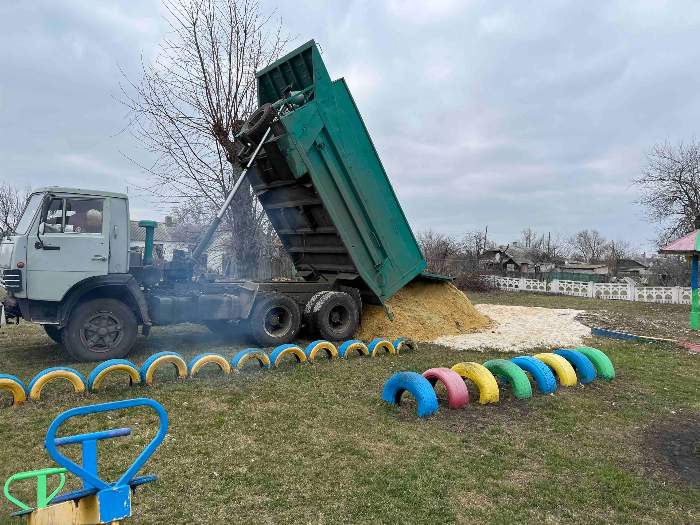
pixel 620 291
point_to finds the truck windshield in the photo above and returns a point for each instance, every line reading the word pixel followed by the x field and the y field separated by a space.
pixel 29 211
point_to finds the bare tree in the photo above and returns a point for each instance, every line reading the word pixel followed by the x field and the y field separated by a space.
pixel 616 252
pixel 588 245
pixel 193 99
pixel 440 251
pixel 670 186
pixel 11 207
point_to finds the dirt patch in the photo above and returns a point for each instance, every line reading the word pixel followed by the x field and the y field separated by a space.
pixel 674 449
pixel 423 311
pixel 521 328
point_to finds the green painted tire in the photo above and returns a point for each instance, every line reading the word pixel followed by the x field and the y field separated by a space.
pixel 602 363
pixel 513 375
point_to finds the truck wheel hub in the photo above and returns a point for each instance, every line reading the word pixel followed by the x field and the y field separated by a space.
pixel 101 332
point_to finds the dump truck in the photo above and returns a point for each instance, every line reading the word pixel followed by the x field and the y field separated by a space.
pixel 311 163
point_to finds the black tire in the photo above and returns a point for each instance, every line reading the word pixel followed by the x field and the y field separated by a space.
pixel 336 316
pixel 100 329
pixel 257 124
pixel 274 320
pixel 309 325
pixel 54 332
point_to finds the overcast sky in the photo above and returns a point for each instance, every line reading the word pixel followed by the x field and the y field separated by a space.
pixel 506 114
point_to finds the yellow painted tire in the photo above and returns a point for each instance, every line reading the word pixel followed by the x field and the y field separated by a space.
pixel 285 350
pixel 404 343
pixel 482 378
pixel 353 345
pixel 200 360
pixel 15 387
pixel 148 369
pixel 44 377
pixel 242 357
pixel 379 345
pixel 562 368
pixel 315 347
pixel 108 367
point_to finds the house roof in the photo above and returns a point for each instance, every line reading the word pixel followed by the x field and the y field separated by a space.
pixel 686 245
pixel 519 257
pixel 582 266
pixel 631 263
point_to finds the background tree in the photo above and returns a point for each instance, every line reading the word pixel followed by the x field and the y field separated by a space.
pixel 12 202
pixel 588 245
pixel 193 99
pixel 670 185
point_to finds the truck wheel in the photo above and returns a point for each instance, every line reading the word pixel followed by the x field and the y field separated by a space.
pixel 336 316
pixel 100 329
pixel 275 319
pixel 54 332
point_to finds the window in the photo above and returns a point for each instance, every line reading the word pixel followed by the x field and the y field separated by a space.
pixel 74 215
pixel 29 212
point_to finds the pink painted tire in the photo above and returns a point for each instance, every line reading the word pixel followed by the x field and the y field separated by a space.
pixel 457 393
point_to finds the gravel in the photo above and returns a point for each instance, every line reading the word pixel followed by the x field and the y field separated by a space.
pixel 521 328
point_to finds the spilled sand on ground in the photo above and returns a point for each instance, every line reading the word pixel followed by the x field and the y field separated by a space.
pixel 423 311
pixel 521 328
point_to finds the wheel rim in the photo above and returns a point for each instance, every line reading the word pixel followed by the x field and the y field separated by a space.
pixel 339 318
pixel 102 332
pixel 278 321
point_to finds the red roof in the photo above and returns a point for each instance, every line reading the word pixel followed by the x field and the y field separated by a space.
pixel 684 245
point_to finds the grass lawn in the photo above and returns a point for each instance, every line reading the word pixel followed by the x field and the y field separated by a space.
pixel 314 444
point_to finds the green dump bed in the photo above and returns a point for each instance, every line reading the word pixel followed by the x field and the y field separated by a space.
pixel 324 188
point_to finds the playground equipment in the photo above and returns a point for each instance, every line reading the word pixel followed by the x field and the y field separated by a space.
pixel 689 245
pixel 591 363
pixel 146 373
pixel 98 501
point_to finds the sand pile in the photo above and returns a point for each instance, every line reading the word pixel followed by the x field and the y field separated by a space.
pixel 423 311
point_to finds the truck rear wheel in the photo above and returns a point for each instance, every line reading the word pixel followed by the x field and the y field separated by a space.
pixel 54 332
pixel 100 329
pixel 335 316
pixel 275 319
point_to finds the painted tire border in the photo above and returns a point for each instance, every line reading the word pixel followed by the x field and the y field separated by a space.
pixel 320 345
pixel 48 375
pixel 200 360
pixel 457 392
pixel 583 366
pixel 378 344
pixel 513 375
pixel 14 386
pixel 241 358
pixel 564 372
pixel 541 373
pixel 149 367
pixel 404 343
pixel 284 350
pixel 101 371
pixel 482 378
pixel 602 363
pixel 352 345
pixel 416 385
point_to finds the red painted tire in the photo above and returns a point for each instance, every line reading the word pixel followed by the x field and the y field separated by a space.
pixel 457 393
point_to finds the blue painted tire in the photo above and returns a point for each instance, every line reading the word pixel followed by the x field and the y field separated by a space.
pixel 353 345
pixel 286 349
pixel 181 367
pixel 417 385
pixel 378 344
pixel 320 345
pixel 243 356
pixel 584 367
pixel 16 387
pixel 57 372
pixel 541 373
pixel 113 365
pixel 404 343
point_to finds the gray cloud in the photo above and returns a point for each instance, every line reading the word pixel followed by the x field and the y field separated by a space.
pixel 510 114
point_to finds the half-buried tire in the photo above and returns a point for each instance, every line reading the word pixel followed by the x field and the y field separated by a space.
pixel 584 368
pixel 418 386
pixel 563 371
pixel 511 374
pixel 457 393
pixel 541 373
pixel 349 347
pixel 600 360
pixel 482 378
pixel 282 351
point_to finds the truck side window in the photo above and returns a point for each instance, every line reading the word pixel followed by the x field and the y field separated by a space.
pixel 84 215
pixel 53 222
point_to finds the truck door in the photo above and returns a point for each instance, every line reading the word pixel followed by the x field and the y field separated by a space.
pixel 74 246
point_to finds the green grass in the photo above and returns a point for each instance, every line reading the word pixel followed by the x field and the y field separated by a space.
pixel 314 444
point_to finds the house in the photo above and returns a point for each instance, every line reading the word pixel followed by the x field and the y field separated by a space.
pixel 583 268
pixel 632 268
pixel 510 259
pixel 168 237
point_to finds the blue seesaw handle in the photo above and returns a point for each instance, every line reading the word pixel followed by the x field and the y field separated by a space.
pixel 51 442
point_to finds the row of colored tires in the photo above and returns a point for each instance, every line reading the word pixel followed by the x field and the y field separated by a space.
pixel 547 370
pixel 146 372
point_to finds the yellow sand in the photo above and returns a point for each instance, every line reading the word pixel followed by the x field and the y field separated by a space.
pixel 423 311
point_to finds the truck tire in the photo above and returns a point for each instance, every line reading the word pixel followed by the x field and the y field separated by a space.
pixel 100 329
pixel 308 319
pixel 54 332
pixel 335 316
pixel 274 320
pixel 258 122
